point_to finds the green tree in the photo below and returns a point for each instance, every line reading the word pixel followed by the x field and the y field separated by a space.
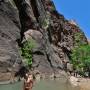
pixel 26 51
pixel 78 39
pixel 80 58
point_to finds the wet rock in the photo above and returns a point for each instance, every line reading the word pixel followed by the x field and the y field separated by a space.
pixel 52 76
pixel 37 77
pixel 74 81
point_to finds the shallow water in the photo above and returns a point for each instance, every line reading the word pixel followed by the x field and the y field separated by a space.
pixel 42 85
pixel 54 85
pixel 14 86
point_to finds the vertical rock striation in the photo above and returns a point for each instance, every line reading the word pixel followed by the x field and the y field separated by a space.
pixel 10 60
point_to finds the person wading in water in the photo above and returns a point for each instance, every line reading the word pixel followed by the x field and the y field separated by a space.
pixel 28 82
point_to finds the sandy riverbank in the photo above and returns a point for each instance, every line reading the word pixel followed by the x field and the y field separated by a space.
pixel 83 83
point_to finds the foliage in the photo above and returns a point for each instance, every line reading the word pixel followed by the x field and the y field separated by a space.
pixel 80 58
pixel 26 51
pixel 78 39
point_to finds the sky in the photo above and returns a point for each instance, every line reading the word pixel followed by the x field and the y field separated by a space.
pixel 79 10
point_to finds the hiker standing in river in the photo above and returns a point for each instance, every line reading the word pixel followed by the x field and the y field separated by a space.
pixel 28 82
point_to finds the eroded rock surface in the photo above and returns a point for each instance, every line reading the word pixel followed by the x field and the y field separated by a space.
pixel 10 60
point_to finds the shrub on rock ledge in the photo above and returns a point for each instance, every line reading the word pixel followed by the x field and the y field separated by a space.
pixel 26 51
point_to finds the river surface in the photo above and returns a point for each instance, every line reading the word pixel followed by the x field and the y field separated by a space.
pixel 14 86
pixel 54 85
pixel 42 85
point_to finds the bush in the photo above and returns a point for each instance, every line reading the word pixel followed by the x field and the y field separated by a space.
pixel 26 51
pixel 80 58
pixel 78 39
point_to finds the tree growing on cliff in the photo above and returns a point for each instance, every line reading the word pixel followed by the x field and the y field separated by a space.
pixel 26 51
pixel 80 58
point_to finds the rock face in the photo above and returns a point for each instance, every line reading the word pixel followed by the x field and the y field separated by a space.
pixel 10 59
pixel 53 34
